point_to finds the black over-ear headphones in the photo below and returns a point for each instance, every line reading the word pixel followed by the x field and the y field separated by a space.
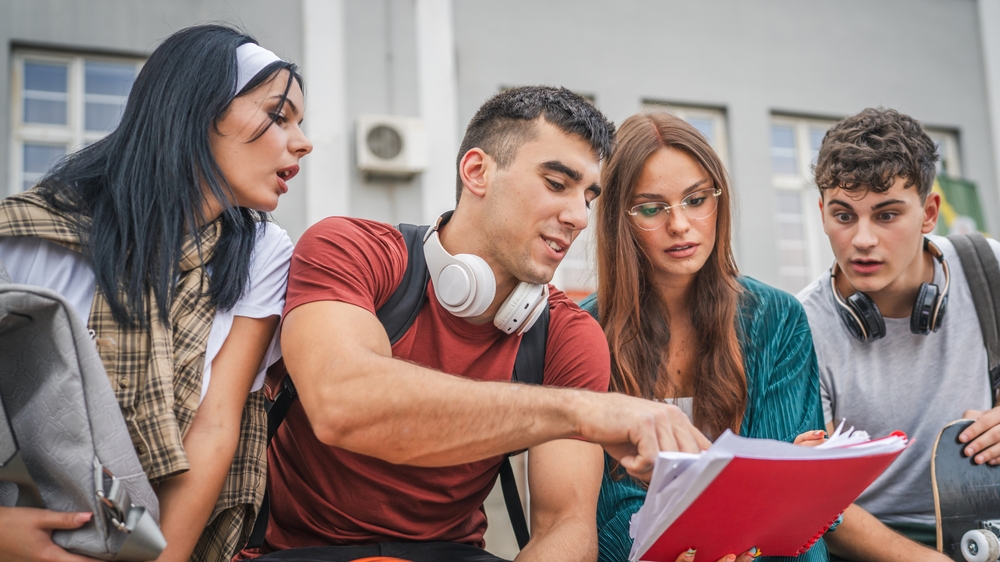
pixel 864 320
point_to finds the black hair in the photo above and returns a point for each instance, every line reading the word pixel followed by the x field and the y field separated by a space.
pixel 507 120
pixel 138 192
pixel 868 151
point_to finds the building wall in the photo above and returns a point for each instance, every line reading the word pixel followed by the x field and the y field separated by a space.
pixel 751 59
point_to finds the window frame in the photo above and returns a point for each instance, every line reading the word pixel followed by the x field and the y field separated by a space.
pixel 818 255
pixel 73 135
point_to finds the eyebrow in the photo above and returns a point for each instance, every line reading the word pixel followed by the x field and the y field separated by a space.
pixel 559 167
pixel 657 196
pixel 874 207
pixel 295 108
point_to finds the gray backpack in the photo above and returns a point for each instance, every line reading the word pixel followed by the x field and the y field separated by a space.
pixel 63 442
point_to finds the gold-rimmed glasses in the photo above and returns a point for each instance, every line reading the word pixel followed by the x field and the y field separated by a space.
pixel 698 205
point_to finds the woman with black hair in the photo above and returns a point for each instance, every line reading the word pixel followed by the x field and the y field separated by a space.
pixel 159 237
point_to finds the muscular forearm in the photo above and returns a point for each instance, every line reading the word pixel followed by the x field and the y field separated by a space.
pixel 863 537
pixel 426 418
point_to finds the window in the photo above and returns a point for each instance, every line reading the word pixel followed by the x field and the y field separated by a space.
pixel 577 274
pixel 802 249
pixel 61 103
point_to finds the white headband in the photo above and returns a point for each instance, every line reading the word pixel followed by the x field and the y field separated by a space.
pixel 251 58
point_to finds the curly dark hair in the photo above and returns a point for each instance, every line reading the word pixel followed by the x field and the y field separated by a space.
pixel 507 120
pixel 868 151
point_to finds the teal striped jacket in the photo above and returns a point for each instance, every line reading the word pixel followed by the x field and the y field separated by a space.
pixel 783 401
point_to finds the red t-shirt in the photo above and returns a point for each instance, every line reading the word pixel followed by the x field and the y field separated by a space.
pixel 323 495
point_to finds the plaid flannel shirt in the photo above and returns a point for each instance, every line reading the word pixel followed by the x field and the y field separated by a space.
pixel 156 374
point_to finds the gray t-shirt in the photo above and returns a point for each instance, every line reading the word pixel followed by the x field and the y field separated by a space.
pixel 903 381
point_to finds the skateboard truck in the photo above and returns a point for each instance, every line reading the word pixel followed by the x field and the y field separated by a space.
pixel 983 544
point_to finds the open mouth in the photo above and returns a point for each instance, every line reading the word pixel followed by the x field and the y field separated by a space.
pixel 556 246
pixel 288 173
pixel 865 266
pixel 682 250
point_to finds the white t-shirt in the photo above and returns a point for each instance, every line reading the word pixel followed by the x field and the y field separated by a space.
pixel 905 381
pixel 33 261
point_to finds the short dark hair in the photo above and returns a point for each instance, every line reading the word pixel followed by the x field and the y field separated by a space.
pixel 868 151
pixel 507 120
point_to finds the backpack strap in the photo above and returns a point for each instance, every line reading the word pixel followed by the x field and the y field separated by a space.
pixel 397 315
pixel 983 274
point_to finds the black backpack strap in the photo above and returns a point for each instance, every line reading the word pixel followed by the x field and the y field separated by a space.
pixel 529 368
pixel 983 274
pixel 401 310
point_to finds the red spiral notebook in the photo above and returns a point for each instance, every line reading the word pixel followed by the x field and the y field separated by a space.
pixel 745 492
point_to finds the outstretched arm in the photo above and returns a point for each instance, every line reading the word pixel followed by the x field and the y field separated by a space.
pixel 187 500
pixel 337 353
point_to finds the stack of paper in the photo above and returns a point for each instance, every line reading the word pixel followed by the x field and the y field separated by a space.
pixel 745 492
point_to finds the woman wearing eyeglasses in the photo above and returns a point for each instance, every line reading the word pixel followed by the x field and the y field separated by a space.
pixel 682 325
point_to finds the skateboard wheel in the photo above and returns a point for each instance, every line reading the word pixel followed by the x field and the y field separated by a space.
pixel 979 545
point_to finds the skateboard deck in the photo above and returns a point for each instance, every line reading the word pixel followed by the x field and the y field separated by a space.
pixel 966 498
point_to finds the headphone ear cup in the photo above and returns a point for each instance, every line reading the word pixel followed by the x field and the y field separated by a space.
pixel 921 319
pixel 484 286
pixel 521 308
pixel 869 314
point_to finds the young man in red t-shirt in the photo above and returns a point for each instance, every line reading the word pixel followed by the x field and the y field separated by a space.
pixel 386 447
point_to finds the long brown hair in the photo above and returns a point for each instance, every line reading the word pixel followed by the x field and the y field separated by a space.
pixel 634 319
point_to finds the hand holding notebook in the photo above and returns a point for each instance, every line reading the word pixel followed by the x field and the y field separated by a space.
pixel 787 495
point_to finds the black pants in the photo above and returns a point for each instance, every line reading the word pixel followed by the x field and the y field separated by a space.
pixel 412 551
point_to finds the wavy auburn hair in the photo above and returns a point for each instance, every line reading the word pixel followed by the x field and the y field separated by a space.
pixel 634 318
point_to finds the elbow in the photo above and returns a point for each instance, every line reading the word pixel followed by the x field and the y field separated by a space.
pixel 341 430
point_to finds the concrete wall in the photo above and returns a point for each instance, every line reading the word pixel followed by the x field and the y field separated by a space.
pixel 830 59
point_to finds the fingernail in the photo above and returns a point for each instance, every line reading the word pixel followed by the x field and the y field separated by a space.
pixel 963 438
pixel 969 451
pixel 980 459
pixel 755 552
pixel 731 558
pixel 690 553
pixel 818 433
pixel 82 518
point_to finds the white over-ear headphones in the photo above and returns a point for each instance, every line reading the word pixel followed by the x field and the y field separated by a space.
pixel 465 286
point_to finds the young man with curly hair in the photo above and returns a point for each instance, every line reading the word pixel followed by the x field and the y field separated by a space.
pixel 889 358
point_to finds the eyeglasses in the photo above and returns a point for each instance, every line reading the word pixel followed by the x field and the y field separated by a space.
pixel 698 205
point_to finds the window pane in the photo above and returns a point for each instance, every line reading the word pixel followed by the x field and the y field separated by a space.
pixel 108 78
pixel 46 112
pixel 788 202
pixel 103 116
pixel 38 158
pixel 45 77
pixel 705 127
pixel 783 154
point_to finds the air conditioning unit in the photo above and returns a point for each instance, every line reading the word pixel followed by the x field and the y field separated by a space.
pixel 391 145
